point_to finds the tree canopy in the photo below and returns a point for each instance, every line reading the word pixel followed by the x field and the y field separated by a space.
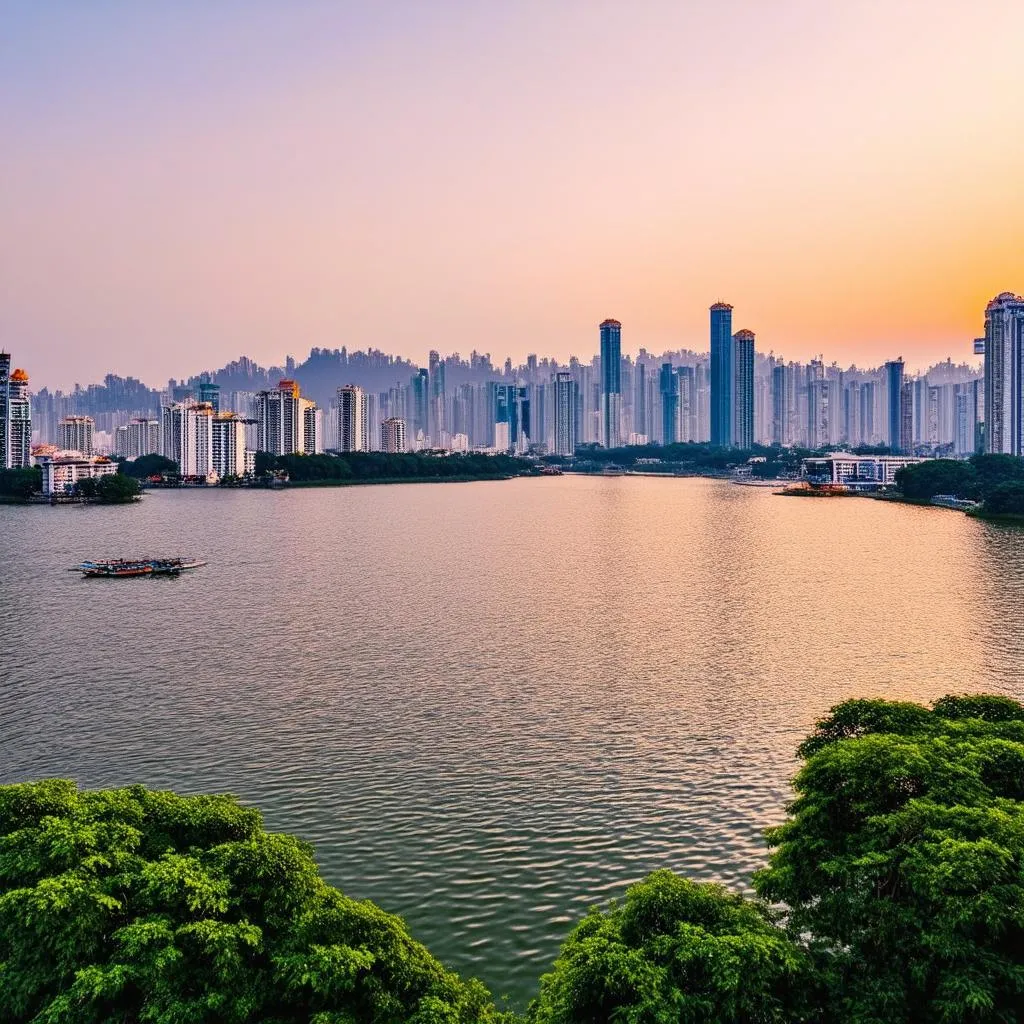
pixel 21 483
pixel 146 466
pixel 901 862
pixel 132 905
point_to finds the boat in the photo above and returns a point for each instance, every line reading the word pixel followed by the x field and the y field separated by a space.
pixel 118 568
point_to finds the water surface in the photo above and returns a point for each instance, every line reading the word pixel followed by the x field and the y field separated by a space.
pixel 491 706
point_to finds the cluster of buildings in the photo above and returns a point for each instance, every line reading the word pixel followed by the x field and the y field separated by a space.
pixel 732 395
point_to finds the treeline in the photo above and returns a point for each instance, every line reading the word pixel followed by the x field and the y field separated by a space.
pixel 899 868
pixel 21 483
pixel 995 480
pixel 356 466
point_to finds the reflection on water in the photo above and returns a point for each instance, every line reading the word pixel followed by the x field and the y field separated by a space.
pixel 490 706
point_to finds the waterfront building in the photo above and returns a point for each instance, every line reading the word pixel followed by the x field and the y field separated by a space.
pixel 686 407
pixel 743 389
pixel 866 398
pixel 187 437
pixel 279 419
pixel 611 387
pixel 420 393
pixel 967 398
pixel 894 404
pixel 76 434
pixel 855 472
pixel 63 469
pixel 139 437
pixel 566 410
pixel 352 419
pixel 722 375
pixel 668 389
pixel 392 435
pixel 15 417
pixel 1004 374
pixel 906 417
pixel 228 445
pixel 780 405
pixel 312 429
pixel 437 412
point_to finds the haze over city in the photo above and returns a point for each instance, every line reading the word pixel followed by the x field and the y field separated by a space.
pixel 185 183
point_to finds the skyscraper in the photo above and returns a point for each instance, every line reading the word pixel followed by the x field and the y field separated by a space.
pixel 566 402
pixel 421 403
pixel 279 418
pixel 228 444
pixel 668 387
pixel 392 435
pixel 187 437
pixel 722 374
pixel 686 415
pixel 76 434
pixel 780 405
pixel 352 419
pixel 894 404
pixel 743 383
pixel 611 389
pixel 138 438
pixel 15 417
pixel 1004 374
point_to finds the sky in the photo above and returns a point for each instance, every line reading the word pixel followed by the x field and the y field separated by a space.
pixel 185 182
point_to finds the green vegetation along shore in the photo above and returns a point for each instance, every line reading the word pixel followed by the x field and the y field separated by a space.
pixel 995 481
pixel 893 892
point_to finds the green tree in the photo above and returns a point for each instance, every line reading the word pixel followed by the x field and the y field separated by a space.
pixel 923 480
pixel 1006 498
pixel 132 905
pixel 21 483
pixel 146 466
pixel 117 489
pixel 901 862
pixel 675 950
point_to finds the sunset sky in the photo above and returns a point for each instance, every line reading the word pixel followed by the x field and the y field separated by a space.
pixel 184 182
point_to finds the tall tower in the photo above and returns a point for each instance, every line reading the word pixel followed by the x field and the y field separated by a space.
pixel 566 401
pixel 611 388
pixel 19 421
pixel 1004 367
pixel 780 409
pixel 352 433
pixel 722 375
pixel 76 434
pixel 279 419
pixel 5 410
pixel 668 385
pixel 743 418
pixel 894 403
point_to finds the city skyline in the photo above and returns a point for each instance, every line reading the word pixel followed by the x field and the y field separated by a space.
pixel 187 184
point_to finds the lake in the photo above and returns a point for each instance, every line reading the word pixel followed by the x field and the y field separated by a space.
pixel 491 706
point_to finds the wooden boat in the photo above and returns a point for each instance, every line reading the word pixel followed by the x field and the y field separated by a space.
pixel 121 568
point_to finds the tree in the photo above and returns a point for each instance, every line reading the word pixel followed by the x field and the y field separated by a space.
pixel 146 466
pixel 923 480
pixel 901 862
pixel 116 489
pixel 133 905
pixel 1006 498
pixel 675 950
pixel 21 483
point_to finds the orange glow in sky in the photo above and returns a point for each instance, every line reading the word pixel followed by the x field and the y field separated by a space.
pixel 182 184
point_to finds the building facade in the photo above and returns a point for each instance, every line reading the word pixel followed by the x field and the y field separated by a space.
pixel 15 417
pixel 228 453
pixel 352 419
pixel 722 375
pixel 743 389
pixel 76 434
pixel 62 470
pixel 566 411
pixel 186 437
pixel 1004 375
pixel 611 386
pixel 894 404
pixel 392 436
pixel 280 419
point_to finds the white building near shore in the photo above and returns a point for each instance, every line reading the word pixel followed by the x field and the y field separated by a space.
pixel 63 469
pixel 855 472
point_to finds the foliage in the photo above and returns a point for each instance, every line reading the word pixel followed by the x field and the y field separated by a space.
pixel 923 480
pixel 133 905
pixel 21 483
pixel 901 862
pixel 692 456
pixel 112 489
pixel 1006 498
pixel 146 466
pixel 353 466
pixel 675 950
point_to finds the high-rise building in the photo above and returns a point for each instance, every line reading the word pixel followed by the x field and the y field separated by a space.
pixel 668 388
pixel 420 385
pixel 312 429
pixel 611 388
pixel 187 437
pixel 1004 374
pixel 279 419
pixel 894 404
pixel 15 417
pixel 722 375
pixel 743 389
pixel 686 416
pixel 437 413
pixel 352 419
pixel 76 434
pixel 780 405
pixel 209 393
pixel 227 444
pixel 137 438
pixel 392 435
pixel 566 406
pixel 907 417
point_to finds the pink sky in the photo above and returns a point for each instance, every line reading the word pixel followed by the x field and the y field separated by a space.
pixel 182 183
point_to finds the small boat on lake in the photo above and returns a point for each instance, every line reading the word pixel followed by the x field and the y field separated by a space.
pixel 124 568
